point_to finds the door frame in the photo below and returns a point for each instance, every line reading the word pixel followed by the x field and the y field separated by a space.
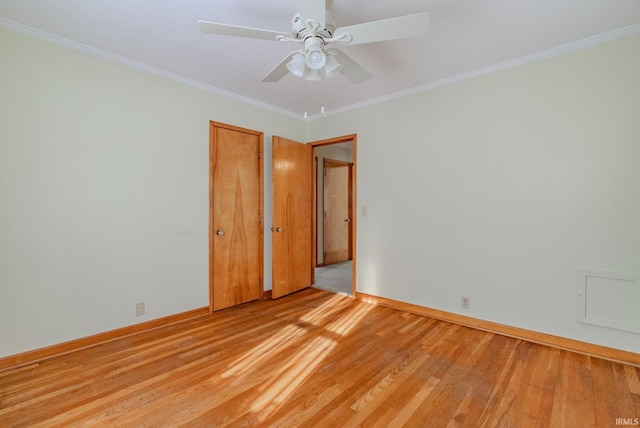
pixel 212 126
pixel 327 142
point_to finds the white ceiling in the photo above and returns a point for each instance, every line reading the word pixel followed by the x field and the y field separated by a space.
pixel 464 36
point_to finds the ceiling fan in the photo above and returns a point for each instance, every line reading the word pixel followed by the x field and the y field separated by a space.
pixel 314 28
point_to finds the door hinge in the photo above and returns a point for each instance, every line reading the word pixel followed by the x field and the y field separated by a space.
pixel 325 214
pixel 260 218
pixel 259 154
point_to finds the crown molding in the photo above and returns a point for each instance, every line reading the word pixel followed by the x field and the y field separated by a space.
pixel 89 50
pixel 527 59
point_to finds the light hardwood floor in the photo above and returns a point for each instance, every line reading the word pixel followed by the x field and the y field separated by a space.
pixel 319 359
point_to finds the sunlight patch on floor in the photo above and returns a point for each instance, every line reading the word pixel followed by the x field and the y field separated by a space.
pixel 282 339
pixel 264 350
pixel 336 317
pixel 346 323
pixel 297 369
pixel 304 362
pixel 334 304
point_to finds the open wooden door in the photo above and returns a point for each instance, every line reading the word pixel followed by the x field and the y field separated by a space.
pixel 292 216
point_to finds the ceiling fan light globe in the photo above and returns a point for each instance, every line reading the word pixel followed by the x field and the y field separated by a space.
pixel 315 59
pixel 296 65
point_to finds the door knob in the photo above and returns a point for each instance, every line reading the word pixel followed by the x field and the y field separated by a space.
pixel 220 232
pixel 276 229
pixel 347 220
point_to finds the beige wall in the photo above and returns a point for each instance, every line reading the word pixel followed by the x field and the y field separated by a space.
pixel 497 188
pixel 501 187
pixel 104 192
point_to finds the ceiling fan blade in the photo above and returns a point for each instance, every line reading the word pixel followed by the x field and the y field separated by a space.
pixel 387 29
pixel 237 31
pixel 279 71
pixel 350 69
pixel 312 9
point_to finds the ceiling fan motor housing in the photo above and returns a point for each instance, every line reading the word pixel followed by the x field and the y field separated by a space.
pixel 300 30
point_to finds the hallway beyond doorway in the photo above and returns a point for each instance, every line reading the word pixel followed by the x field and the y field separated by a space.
pixel 335 278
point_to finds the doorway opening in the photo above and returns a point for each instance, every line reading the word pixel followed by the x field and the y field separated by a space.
pixel 334 214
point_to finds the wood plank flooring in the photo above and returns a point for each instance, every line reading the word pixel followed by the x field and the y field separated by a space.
pixel 317 359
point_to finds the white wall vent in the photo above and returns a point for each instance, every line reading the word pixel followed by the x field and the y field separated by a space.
pixel 609 299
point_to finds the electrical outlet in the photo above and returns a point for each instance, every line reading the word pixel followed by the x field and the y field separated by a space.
pixel 465 302
pixel 139 309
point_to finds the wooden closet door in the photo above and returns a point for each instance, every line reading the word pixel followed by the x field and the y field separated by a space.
pixel 236 229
